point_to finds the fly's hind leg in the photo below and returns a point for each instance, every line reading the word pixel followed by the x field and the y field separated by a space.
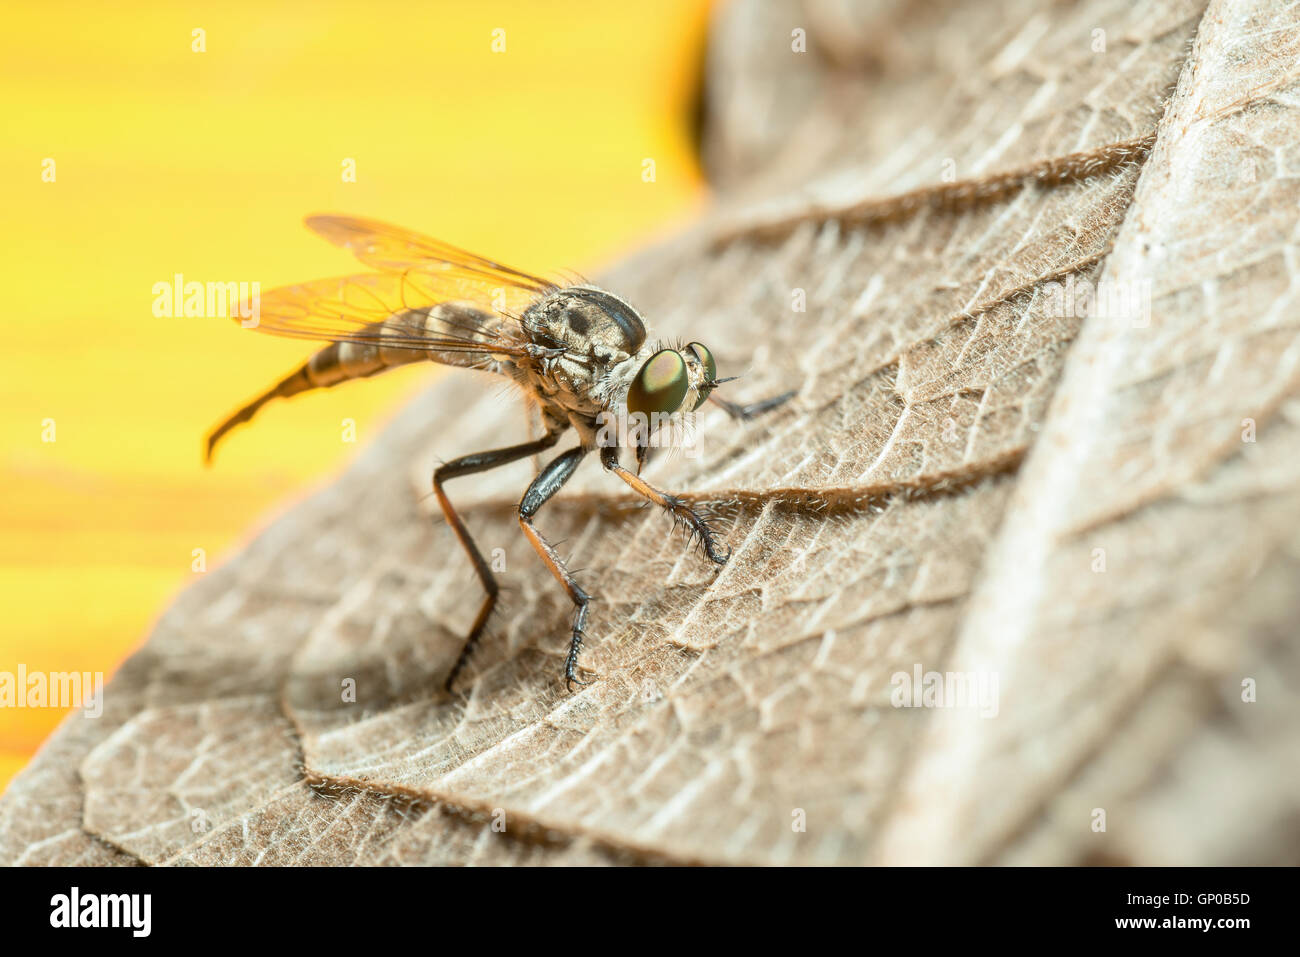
pixel 680 510
pixel 468 465
pixel 547 483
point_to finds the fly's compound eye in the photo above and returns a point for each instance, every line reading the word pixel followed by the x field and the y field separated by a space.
pixel 660 386
pixel 705 357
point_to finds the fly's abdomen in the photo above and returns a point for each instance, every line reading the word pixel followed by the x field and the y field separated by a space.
pixel 448 334
pixel 340 361
pixel 337 362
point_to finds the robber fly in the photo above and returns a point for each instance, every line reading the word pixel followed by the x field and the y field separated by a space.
pixel 577 352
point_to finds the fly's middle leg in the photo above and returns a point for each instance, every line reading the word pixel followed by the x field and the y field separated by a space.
pixel 547 483
pixel 680 510
pixel 468 465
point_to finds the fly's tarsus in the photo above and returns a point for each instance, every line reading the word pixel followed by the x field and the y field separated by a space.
pixel 743 413
pixel 698 525
pixel 549 481
pixel 575 645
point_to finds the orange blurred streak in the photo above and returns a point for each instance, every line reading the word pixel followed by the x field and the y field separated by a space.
pixel 172 161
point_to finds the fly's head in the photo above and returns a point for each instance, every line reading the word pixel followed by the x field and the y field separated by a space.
pixel 666 386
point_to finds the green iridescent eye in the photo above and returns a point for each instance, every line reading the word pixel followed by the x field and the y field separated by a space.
pixel 702 353
pixel 660 386
pixel 706 359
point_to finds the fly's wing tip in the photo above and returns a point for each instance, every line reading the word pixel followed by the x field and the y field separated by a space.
pixel 322 225
pixel 333 228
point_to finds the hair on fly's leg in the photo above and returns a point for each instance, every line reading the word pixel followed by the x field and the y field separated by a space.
pixel 701 536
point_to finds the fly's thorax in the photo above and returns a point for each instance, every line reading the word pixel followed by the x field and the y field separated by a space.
pixel 587 321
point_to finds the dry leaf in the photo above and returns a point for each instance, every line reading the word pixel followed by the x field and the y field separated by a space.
pixel 1100 512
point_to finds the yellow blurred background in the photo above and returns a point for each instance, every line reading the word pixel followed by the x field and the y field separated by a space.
pixel 170 160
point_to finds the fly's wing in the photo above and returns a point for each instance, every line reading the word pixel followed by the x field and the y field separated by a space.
pixel 429 300
pixel 375 321
pixel 391 248
pixel 392 310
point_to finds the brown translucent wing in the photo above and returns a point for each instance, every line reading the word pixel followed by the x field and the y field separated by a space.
pixel 390 309
pixel 394 249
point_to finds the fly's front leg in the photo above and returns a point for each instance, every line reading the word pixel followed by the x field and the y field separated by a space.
pixel 744 413
pixel 679 509
pixel 547 483
pixel 468 465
